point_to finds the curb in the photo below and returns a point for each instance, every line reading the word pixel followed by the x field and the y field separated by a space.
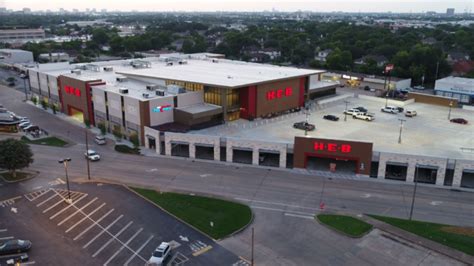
pixel 33 175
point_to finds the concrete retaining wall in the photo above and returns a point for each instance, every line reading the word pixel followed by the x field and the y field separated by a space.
pixel 383 100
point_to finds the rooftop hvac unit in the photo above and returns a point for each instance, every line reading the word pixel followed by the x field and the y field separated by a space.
pixel 146 95
pixel 123 91
pixel 76 71
pixel 182 62
pixel 108 68
pixel 160 93
pixel 151 87
pixel 121 79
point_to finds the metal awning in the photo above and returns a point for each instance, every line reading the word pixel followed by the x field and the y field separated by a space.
pixel 432 167
pixel 269 151
pixel 242 149
pixel 204 145
pixel 468 171
pixel 397 164
pixel 150 137
pixel 176 142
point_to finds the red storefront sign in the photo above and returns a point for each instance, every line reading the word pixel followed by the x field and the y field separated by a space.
pixel 277 94
pixel 332 147
pixel 72 91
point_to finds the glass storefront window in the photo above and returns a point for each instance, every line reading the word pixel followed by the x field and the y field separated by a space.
pixel 213 96
pixel 233 98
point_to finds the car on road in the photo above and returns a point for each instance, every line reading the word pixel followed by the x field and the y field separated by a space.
pixel 92 155
pixel 410 113
pixel 364 116
pixel 362 109
pixel 14 246
pixel 419 88
pixel 100 140
pixel 352 111
pixel 331 117
pixel 390 110
pixel 304 126
pixel 161 253
pixel 459 121
pixel 25 124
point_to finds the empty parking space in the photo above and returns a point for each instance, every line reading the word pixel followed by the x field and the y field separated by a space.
pixel 107 232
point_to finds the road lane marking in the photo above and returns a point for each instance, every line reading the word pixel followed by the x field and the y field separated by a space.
pixel 299 216
pixel 103 231
pixel 92 225
pixel 123 246
pixel 3 230
pixel 85 217
pixel 67 207
pixel 138 251
pixel 43 202
pixel 277 203
pixel 6 238
pixel 112 239
pixel 77 211
pixel 281 210
pixel 201 251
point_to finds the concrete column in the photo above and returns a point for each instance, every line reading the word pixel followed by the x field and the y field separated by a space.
pixel 229 152
pixel 255 155
pixel 167 147
pixel 382 168
pixel 282 158
pixel 440 176
pixel 157 144
pixel 457 175
pixel 411 172
pixel 192 150
pixel 147 143
pixel 217 151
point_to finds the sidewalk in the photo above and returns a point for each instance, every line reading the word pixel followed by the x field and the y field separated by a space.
pixel 424 242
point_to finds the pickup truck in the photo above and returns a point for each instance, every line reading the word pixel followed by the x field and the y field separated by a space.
pixel 364 116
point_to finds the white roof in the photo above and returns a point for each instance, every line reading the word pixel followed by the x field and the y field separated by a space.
pixel 458 80
pixel 221 73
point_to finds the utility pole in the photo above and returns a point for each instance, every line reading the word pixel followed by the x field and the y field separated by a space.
pixel 437 69
pixel 65 163
pixel 87 152
pixel 401 127
pixel 251 258
pixel 345 111
pixel 306 121
pixel 414 192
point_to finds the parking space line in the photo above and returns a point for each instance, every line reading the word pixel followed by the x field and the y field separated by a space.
pixel 35 196
pixel 85 217
pixel 112 239
pixel 59 202
pixel 138 251
pixel 92 225
pixel 103 231
pixel 77 211
pixel 123 246
pixel 6 238
pixel 64 209
pixel 43 202
pixel 3 230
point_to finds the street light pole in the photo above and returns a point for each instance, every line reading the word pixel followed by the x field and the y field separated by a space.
pixel 87 152
pixel 450 106
pixel 306 122
pixel 251 258
pixel 401 127
pixel 414 192
pixel 65 163
pixel 345 111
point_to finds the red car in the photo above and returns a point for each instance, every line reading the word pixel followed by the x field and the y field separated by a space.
pixel 459 121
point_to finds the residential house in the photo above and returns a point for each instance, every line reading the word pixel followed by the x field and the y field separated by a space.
pixel 380 60
pixel 322 55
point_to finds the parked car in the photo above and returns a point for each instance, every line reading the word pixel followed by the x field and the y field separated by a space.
pixel 410 113
pixel 92 155
pixel 364 116
pixel 352 111
pixel 419 88
pixel 390 110
pixel 25 124
pixel 31 128
pixel 400 109
pixel 160 254
pixel 331 117
pixel 362 109
pixel 14 246
pixel 304 126
pixel 459 121
pixel 100 140
pixel 367 88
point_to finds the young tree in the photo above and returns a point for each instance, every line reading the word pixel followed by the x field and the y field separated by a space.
pixel 117 132
pixel 44 104
pixel 134 139
pixel 53 107
pixel 101 126
pixel 14 155
pixel 87 123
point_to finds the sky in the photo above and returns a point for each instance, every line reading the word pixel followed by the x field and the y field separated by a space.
pixel 405 6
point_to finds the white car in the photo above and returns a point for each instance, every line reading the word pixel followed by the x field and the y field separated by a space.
pixel 160 254
pixel 352 111
pixel 92 155
pixel 364 116
pixel 100 140
pixel 24 125
pixel 390 109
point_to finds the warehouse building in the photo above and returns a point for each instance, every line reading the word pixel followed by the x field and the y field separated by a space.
pixel 458 88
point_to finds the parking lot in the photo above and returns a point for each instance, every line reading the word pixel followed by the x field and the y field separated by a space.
pixel 429 133
pixel 104 224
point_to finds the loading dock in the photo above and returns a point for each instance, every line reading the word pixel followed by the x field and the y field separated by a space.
pixel 268 158
pixel 242 155
pixel 467 179
pixel 204 151
pixel 396 171
pixel 180 149
pixel 426 174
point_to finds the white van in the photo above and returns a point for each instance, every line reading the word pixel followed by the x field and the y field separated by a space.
pixel 390 109
pixel 100 140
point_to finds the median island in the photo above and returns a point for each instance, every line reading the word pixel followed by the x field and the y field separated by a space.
pixel 345 224
pixel 215 217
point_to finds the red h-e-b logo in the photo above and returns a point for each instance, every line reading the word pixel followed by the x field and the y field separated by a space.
pixel 332 147
pixel 72 91
pixel 276 94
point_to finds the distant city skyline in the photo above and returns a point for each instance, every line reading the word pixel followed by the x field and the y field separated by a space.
pixel 403 6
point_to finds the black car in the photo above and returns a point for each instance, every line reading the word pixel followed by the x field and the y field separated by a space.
pixel 14 246
pixel 304 126
pixel 459 121
pixel 362 109
pixel 400 109
pixel 367 88
pixel 331 117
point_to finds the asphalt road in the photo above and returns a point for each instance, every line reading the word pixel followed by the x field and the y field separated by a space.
pixel 283 192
